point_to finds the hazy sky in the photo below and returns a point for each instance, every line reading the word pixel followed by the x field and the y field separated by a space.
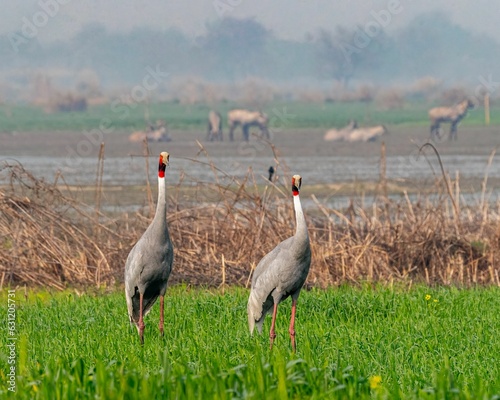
pixel 286 18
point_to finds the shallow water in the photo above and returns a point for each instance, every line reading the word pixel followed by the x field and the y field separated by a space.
pixel 314 170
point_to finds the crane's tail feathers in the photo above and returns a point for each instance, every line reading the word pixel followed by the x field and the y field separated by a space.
pixel 252 310
pixel 251 323
pixel 131 306
pixel 260 323
pixel 134 323
pixel 255 314
pixel 251 318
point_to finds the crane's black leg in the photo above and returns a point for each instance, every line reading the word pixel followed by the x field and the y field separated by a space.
pixel 292 324
pixel 141 321
pixel 161 315
pixel 272 334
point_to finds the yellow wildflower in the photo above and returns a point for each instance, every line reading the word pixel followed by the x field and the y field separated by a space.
pixel 427 297
pixel 375 381
pixel 435 300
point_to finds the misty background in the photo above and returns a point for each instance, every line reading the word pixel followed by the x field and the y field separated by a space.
pixel 100 50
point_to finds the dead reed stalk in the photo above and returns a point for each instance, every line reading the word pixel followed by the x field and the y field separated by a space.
pixel 98 185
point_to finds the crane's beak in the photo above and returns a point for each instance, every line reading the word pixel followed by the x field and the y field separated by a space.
pixel 296 183
pixel 164 157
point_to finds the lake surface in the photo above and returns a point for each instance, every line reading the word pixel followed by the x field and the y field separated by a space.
pixel 302 151
pixel 314 170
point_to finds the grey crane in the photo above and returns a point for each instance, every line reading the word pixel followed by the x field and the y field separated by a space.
pixel 149 263
pixel 281 273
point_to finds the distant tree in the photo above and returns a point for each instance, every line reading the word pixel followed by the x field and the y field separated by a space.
pixel 104 51
pixel 433 45
pixel 427 43
pixel 167 47
pixel 346 53
pixel 289 59
pixel 334 61
pixel 234 48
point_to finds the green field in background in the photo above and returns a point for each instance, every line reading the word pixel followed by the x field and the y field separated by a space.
pixel 194 117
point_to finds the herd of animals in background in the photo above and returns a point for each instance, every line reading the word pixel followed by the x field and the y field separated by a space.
pixel 236 118
pixel 245 119
pixel 283 271
pixel 349 133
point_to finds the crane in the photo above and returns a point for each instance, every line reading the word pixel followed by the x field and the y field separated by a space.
pixel 149 263
pixel 281 273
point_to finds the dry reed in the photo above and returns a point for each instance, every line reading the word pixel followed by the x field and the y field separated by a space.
pixel 48 238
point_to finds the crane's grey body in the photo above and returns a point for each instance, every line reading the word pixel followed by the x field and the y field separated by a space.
pixel 281 273
pixel 149 263
pixel 148 267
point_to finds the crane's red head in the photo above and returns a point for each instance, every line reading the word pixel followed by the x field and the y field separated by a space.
pixel 296 182
pixel 162 165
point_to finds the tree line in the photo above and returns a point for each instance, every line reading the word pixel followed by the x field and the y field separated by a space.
pixel 234 49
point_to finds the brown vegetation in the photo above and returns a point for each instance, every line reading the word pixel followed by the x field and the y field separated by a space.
pixel 391 99
pixel 453 95
pixel 223 228
pixel 54 100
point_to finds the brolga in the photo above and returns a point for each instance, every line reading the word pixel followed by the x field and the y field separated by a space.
pixel 280 274
pixel 149 263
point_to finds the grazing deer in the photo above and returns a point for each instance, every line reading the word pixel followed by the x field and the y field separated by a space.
pixel 366 134
pixel 214 131
pixel 338 135
pixel 453 115
pixel 246 119
pixel 353 133
pixel 154 133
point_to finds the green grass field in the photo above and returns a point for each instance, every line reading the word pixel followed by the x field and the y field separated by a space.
pixel 282 115
pixel 353 343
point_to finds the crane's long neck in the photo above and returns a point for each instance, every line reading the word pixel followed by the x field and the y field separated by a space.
pixel 160 217
pixel 301 228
